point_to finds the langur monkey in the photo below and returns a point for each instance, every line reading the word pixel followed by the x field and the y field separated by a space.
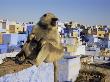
pixel 44 43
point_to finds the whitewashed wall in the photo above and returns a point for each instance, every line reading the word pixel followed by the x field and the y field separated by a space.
pixel 69 69
pixel 43 73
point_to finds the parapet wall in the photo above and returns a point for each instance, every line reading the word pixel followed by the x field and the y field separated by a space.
pixel 43 73
pixel 68 71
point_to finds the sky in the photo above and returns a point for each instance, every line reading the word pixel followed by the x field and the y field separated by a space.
pixel 90 12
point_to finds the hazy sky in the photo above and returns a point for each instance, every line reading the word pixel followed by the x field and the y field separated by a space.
pixel 82 11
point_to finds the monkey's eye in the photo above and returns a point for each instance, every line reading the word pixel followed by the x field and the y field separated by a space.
pixel 45 15
pixel 54 19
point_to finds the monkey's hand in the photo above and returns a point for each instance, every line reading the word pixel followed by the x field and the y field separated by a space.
pixel 30 37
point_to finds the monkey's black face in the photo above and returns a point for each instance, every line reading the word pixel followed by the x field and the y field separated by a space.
pixel 47 21
pixel 54 21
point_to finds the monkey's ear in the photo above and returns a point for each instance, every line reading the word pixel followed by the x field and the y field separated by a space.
pixel 44 15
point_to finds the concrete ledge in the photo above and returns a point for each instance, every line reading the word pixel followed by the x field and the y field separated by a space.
pixel 43 73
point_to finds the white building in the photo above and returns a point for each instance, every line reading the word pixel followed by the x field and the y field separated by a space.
pixel 60 26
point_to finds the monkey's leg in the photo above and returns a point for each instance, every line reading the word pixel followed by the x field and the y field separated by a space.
pixel 20 58
pixel 55 71
pixel 44 52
